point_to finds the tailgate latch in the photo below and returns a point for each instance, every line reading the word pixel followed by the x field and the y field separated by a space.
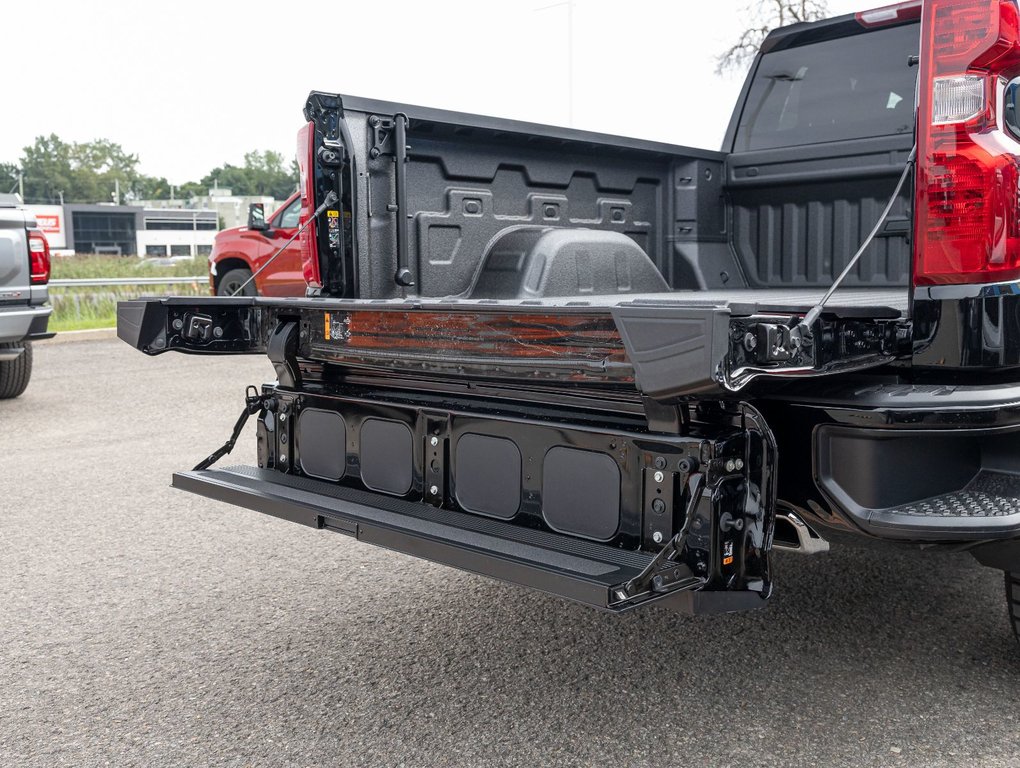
pixel 198 327
pixel 772 343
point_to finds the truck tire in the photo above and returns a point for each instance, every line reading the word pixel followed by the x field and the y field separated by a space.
pixel 234 279
pixel 14 374
pixel 1013 600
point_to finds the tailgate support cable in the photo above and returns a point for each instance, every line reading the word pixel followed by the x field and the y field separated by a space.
pixel 331 199
pixel 805 325
pixel 253 403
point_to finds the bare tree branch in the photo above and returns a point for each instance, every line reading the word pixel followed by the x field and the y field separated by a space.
pixel 764 16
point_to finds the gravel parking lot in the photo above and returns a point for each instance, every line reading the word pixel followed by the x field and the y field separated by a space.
pixel 145 626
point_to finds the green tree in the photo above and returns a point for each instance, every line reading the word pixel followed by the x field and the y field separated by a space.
pixel 9 177
pixel 263 173
pixel 92 171
pixel 48 170
pixel 190 189
pixel 85 172
pixel 152 188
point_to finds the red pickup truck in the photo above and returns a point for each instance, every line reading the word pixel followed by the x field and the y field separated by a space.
pixel 240 252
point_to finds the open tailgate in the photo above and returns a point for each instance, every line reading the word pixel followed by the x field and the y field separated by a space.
pixel 666 345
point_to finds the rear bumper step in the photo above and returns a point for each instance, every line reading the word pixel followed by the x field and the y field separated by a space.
pixel 582 571
pixel 947 485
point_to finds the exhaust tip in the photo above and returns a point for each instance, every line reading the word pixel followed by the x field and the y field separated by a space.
pixel 794 535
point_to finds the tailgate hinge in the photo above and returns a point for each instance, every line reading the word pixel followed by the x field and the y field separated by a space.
pixel 665 573
pixel 282 350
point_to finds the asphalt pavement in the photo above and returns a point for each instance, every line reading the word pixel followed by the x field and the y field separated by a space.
pixel 145 626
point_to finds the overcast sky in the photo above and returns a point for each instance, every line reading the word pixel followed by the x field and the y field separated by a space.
pixel 190 85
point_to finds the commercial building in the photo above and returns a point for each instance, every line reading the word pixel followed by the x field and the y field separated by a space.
pixel 127 230
pixel 231 209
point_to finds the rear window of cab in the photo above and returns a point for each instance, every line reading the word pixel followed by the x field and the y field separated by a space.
pixel 847 88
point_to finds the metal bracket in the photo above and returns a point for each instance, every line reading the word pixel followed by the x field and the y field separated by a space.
pixel 436 448
pixel 665 573
pixel 197 327
pixel 382 128
pixel 326 111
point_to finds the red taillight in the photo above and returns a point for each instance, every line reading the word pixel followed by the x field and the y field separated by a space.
pixel 306 168
pixel 967 201
pixel 38 257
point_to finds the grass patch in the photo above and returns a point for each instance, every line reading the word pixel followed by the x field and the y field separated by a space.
pixel 83 266
pixel 76 309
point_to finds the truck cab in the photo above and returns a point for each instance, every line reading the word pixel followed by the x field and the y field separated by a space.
pixel 240 252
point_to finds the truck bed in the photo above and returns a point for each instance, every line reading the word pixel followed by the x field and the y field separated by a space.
pixel 479 204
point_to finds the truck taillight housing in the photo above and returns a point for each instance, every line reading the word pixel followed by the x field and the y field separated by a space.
pixel 307 239
pixel 967 202
pixel 38 257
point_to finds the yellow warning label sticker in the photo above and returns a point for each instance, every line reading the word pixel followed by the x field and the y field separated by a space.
pixel 325 327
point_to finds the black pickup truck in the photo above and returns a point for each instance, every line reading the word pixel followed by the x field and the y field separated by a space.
pixel 624 372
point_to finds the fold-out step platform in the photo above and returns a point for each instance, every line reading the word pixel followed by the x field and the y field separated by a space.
pixel 579 570
pixel 583 571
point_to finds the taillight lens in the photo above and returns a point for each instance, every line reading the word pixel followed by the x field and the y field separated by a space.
pixel 38 257
pixel 967 206
pixel 307 239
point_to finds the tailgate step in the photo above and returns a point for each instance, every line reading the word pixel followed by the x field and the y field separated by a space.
pixel 579 570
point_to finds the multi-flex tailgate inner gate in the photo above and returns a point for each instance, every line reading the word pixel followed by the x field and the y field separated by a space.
pixel 668 345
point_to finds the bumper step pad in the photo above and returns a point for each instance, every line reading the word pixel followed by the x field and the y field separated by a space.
pixel 989 494
pixel 987 508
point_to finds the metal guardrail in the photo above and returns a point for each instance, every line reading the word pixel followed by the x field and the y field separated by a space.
pixel 87 281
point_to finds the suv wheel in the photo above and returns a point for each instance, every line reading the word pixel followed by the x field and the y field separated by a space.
pixel 14 374
pixel 234 279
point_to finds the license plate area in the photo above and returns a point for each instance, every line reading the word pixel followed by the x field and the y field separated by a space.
pixel 611 486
